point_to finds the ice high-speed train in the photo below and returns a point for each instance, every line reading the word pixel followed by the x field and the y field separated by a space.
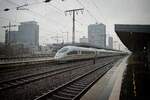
pixel 68 53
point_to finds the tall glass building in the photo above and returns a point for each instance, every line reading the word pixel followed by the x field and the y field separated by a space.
pixel 27 35
pixel 97 35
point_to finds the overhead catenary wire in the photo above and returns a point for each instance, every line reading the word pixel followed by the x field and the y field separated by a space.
pixel 36 3
pixel 31 4
pixel 36 14
pixel 98 9
pixel 91 15
pixel 58 10
pixel 62 13
pixel 11 2
pixel 40 14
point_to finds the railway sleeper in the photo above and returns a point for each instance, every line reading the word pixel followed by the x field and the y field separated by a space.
pixel 13 83
pixel 5 85
pixel 1 88
pixel 84 82
pixel 23 80
pixel 73 89
pixel 77 86
pixel 70 91
pixel 65 94
pixel 57 97
pixel 81 82
pixel 19 81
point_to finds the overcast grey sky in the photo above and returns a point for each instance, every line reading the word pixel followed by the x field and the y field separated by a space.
pixel 53 21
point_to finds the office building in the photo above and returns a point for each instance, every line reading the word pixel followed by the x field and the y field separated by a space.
pixel 27 35
pixel 97 35
pixel 11 37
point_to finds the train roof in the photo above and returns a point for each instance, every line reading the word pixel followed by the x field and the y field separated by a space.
pixel 87 45
pixel 76 47
pixel 91 49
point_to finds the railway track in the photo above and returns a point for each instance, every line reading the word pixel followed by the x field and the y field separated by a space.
pixel 10 67
pixel 30 69
pixel 74 89
pixel 13 67
pixel 29 89
pixel 18 81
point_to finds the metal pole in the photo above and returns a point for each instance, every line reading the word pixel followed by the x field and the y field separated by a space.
pixel 73 31
pixel 9 32
pixel 67 37
pixel 73 28
pixel 57 38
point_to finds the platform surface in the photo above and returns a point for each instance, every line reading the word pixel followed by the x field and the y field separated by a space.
pixel 108 87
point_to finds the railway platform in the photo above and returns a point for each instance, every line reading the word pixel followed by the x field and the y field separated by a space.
pixel 136 82
pixel 26 60
pixel 109 86
pixel 23 62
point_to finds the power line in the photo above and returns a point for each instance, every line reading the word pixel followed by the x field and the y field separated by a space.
pixel 60 12
pixel 73 11
pixel 28 4
pixel 4 18
pixel 34 11
pixel 88 11
pixel 9 1
pixel 99 10
pixel 20 7
pixel 63 11
pixel 43 17
pixel 25 5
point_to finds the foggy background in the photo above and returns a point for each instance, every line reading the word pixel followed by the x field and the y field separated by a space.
pixel 53 22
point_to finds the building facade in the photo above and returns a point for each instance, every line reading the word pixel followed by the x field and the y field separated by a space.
pixel 83 40
pixel 97 35
pixel 27 35
pixel 11 37
pixel 110 42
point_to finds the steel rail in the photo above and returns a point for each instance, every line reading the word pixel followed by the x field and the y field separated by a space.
pixel 34 77
pixel 73 89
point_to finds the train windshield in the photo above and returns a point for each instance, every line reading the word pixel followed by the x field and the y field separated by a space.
pixel 72 52
pixel 63 50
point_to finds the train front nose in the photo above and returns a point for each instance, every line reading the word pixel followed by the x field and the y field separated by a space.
pixel 61 53
pixel 58 56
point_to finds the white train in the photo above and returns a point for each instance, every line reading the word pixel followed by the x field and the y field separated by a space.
pixel 68 53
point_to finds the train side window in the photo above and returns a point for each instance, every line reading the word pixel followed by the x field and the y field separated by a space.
pixel 84 52
pixel 72 52
pixel 87 52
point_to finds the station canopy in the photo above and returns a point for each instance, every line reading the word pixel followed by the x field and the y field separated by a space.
pixel 135 37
